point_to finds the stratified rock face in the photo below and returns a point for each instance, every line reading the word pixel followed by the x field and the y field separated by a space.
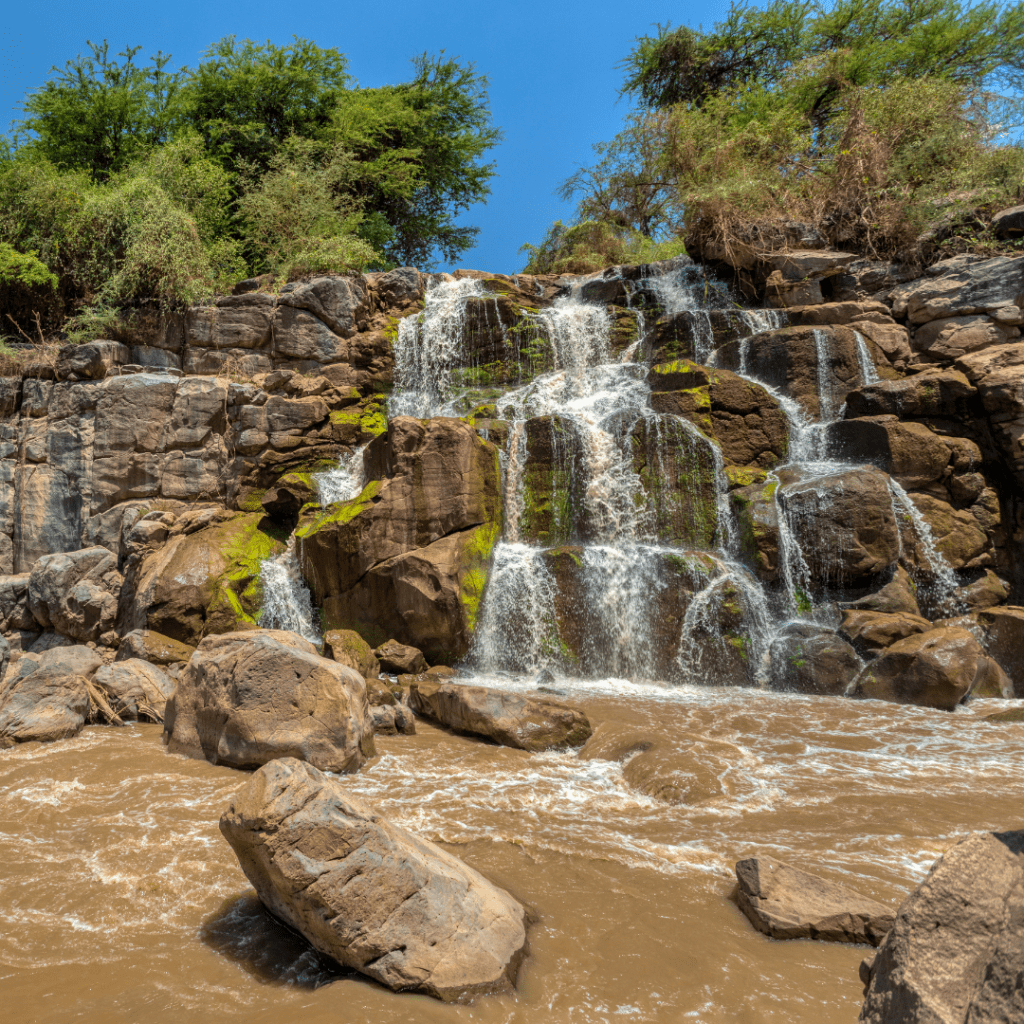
pixel 369 894
pixel 955 951
pixel 961 286
pixel 135 690
pixel 46 698
pixel 511 719
pixel 806 658
pixel 76 593
pixel 247 698
pixel 786 903
pixel 408 558
pixel 934 669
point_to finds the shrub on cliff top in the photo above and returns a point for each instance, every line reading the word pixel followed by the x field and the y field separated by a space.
pixel 872 119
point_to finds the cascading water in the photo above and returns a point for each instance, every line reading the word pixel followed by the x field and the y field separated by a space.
pixel 286 600
pixel 343 482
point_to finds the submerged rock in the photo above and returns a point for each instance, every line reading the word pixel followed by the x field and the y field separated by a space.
pixel 955 951
pixel 786 903
pixel 369 894
pixel 248 698
pixel 511 719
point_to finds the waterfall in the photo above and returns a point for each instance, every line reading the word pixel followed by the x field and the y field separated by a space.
pixel 868 373
pixel 286 600
pixel 343 482
pixel 429 346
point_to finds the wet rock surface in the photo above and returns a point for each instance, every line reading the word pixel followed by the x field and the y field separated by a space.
pixel 369 894
pixel 786 902
pixel 511 719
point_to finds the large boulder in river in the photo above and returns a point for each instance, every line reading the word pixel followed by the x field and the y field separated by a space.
pixel 786 903
pixel 247 698
pixel 76 593
pixel 369 894
pixel 511 719
pixel 46 697
pixel 872 632
pixel 935 669
pixel 408 558
pixel 955 951
pixel 348 648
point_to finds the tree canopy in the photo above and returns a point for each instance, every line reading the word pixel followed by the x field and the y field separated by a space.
pixel 872 119
pixel 128 180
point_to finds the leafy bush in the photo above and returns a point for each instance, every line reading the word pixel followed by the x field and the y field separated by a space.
pixel 592 245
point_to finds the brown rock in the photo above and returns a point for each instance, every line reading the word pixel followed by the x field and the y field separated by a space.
pixel 511 719
pixel 135 690
pixel 871 632
pixel 955 951
pixel 391 719
pixel 248 698
pixel 933 392
pixel 347 647
pixel 786 903
pixel 154 647
pixel 369 894
pixel 807 658
pixel 936 669
pixel 1005 641
pixel 898 595
pixel 400 658
pixel 910 451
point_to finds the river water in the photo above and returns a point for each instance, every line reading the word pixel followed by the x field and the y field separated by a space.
pixel 120 902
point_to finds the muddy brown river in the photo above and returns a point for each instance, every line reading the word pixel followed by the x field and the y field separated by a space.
pixel 120 902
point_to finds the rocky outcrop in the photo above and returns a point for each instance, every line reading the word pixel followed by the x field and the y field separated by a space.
pixel 247 698
pixel 786 903
pixel 408 558
pixel 934 669
pixel 45 697
pixel 954 952
pixel 76 593
pixel 369 894
pixel 511 719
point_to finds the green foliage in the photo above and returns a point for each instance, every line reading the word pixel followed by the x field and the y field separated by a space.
pixel 877 121
pixel 247 98
pixel 593 244
pixel 24 269
pixel 97 113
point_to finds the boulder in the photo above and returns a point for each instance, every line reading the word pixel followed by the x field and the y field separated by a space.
pixel 511 719
pixel 1005 641
pixel 911 452
pixel 954 953
pixel 157 649
pixel 1008 223
pixel 390 719
pixel 46 697
pixel 786 903
pixel 898 595
pixel 950 338
pixel 871 632
pixel 92 360
pixel 135 690
pixel 409 557
pixel 247 698
pixel 371 895
pixel 806 658
pixel 15 609
pixel 400 659
pixel 935 669
pixel 76 593
pixel 347 647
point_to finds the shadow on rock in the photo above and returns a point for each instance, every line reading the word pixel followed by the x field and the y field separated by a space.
pixel 244 931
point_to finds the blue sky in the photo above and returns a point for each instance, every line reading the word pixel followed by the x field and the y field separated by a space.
pixel 552 69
